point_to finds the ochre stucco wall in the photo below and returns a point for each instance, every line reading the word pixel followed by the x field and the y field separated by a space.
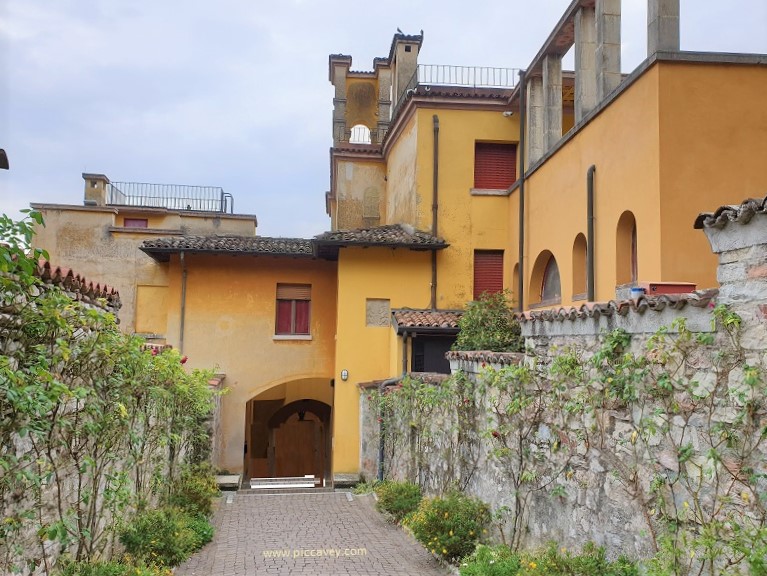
pixel 404 199
pixel 713 148
pixel 229 325
pixel 402 276
pixel 467 222
pixel 622 142
pixel 354 178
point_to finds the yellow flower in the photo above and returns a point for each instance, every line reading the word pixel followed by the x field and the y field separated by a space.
pixel 564 549
pixel 633 436
pixel 451 532
pixel 445 514
pixel 433 551
pixel 744 495
pixel 533 565
pixel 685 504
pixel 471 532
pixel 444 551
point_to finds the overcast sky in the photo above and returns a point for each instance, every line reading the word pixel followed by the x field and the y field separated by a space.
pixel 235 93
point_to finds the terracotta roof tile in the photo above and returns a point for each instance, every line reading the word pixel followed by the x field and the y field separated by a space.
pixel 409 318
pixel 78 287
pixel 699 299
pixel 741 213
pixel 485 356
pixel 396 235
pixel 160 248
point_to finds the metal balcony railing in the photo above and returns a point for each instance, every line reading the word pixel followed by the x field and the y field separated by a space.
pixel 171 196
pixel 465 76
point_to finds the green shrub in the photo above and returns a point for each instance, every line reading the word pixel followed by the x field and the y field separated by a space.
pixel 450 526
pixel 489 324
pixel 491 561
pixel 194 490
pixel 165 537
pixel 365 487
pixel 110 569
pixel 397 498
pixel 552 561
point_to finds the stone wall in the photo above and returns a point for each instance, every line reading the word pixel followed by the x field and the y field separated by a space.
pixel 607 466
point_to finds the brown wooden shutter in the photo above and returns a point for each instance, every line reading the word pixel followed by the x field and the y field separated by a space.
pixel 294 292
pixel 488 272
pixel 495 165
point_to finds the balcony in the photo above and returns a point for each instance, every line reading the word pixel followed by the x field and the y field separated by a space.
pixel 170 196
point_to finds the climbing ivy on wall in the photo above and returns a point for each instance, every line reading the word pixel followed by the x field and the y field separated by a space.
pixel 92 425
pixel 678 421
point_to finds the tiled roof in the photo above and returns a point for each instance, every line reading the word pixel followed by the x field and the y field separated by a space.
pixel 700 299
pixel 486 357
pixel 161 248
pixel 741 213
pixel 429 319
pixel 78 287
pixel 370 149
pixel 396 235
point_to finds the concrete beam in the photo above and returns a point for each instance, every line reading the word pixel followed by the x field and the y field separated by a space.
pixel 662 26
pixel 552 100
pixel 585 62
pixel 608 57
pixel 535 134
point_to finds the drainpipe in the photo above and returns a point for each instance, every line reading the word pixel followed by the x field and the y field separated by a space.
pixel 522 129
pixel 381 388
pixel 434 212
pixel 590 233
pixel 183 304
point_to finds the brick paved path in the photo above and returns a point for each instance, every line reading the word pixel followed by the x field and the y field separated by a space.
pixel 300 534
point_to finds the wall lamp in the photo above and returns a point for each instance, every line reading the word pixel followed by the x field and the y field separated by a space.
pixel 344 374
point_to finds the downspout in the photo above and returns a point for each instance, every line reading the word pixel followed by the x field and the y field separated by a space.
pixel 590 233
pixel 522 129
pixel 183 304
pixel 381 420
pixel 434 212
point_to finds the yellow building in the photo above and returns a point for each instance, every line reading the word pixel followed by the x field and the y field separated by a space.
pixel 563 187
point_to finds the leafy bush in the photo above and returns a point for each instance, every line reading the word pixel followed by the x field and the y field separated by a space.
pixel 111 569
pixel 166 536
pixel 489 324
pixel 491 561
pixel 365 487
pixel 450 526
pixel 194 490
pixel 501 561
pixel 397 498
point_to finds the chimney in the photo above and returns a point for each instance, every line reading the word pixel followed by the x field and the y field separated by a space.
pixel 95 189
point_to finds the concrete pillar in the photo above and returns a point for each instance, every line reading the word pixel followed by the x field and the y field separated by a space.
pixel 552 100
pixel 662 26
pixel 585 62
pixel 384 103
pixel 608 59
pixel 339 68
pixel 535 134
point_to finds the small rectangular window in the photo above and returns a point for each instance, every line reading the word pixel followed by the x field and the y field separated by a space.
pixel 488 272
pixel 495 165
pixel 293 309
pixel 135 223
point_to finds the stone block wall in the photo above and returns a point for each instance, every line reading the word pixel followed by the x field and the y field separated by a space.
pixel 611 466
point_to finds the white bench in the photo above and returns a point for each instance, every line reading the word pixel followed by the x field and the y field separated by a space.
pixel 308 481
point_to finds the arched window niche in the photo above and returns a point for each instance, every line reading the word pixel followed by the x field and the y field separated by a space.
pixel 626 262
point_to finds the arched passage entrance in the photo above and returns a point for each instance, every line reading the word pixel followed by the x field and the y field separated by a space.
pixel 286 436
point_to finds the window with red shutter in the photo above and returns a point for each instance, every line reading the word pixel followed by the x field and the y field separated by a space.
pixel 495 165
pixel 293 309
pixel 488 272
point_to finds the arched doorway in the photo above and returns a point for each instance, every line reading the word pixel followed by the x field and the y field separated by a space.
pixel 290 439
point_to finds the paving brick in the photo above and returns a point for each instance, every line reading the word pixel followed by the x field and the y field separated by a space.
pixel 317 534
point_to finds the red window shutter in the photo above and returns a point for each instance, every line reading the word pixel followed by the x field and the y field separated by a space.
pixel 495 165
pixel 302 317
pixel 488 272
pixel 284 317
